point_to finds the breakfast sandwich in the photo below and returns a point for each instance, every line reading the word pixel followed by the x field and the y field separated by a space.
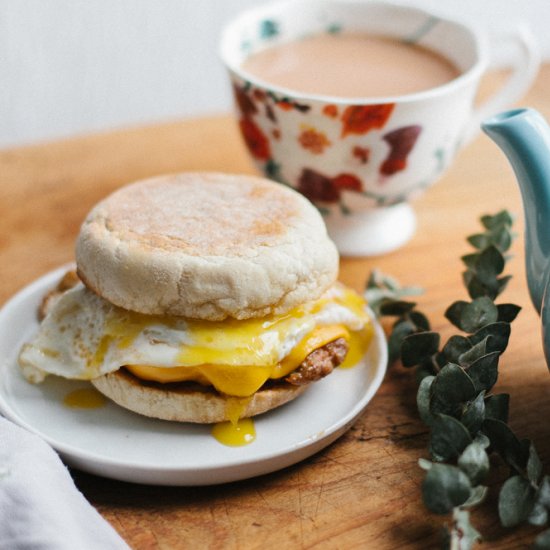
pixel 200 297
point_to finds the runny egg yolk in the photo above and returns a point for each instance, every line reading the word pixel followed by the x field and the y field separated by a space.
pixel 235 434
pixel 238 356
pixel 84 398
pixel 243 380
pixel 237 431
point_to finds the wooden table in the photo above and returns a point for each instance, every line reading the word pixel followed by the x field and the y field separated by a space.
pixel 364 490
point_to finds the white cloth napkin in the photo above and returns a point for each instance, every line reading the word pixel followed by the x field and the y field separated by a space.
pixel 40 506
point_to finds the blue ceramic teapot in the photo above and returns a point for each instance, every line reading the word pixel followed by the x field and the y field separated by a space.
pixel 524 137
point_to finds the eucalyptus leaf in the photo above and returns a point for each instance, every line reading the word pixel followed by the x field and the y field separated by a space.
pixel 515 501
pixel 400 331
pixel 478 288
pixel 468 276
pixel 440 360
pixel 474 462
pixel 475 352
pixel 501 238
pixel 508 312
pixel 478 313
pixel 423 370
pixel 382 289
pixel 420 320
pixel 423 400
pixel 456 346
pixel 375 297
pixel 445 487
pixel 543 494
pixel 526 448
pixel 425 464
pixel 477 496
pixel 483 440
pixel 497 406
pixel 505 442
pixel 538 515
pixel 418 347
pixel 499 332
pixel 380 280
pixel 473 414
pixel 542 542
pixel 470 260
pixel 484 371
pixel 490 264
pixel 502 218
pixel 396 307
pixel 454 312
pixel 498 235
pixel 448 438
pixel 450 388
pixel 479 240
pixel 534 465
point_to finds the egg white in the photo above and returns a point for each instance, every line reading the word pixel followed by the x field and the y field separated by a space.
pixel 84 337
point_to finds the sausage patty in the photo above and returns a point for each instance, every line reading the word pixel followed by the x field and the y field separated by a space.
pixel 319 363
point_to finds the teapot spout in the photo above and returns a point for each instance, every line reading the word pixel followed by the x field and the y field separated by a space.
pixel 524 137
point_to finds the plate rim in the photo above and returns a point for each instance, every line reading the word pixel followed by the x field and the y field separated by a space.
pixel 92 462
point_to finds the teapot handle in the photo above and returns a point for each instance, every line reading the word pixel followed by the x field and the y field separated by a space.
pixel 524 70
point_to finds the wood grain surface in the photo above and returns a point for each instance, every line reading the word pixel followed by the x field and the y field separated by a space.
pixel 364 490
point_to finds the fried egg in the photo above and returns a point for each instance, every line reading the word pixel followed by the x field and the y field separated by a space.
pixel 85 336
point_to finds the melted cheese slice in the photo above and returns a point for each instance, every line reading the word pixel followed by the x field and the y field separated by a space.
pixel 243 380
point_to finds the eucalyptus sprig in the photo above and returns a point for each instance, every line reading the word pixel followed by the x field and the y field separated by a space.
pixel 455 396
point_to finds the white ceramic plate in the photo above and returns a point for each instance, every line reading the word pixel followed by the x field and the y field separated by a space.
pixel 112 442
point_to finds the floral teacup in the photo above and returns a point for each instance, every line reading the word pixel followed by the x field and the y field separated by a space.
pixel 362 160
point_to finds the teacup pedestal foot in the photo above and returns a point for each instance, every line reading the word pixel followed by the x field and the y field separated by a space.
pixel 372 233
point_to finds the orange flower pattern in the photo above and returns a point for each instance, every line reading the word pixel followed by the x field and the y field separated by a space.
pixel 360 119
pixel 330 111
pixel 313 140
pixel 361 153
pixel 318 187
pixel 246 106
pixel 285 105
pixel 255 139
pixel 401 142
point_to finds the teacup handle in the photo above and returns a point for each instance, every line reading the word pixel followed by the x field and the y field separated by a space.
pixel 524 71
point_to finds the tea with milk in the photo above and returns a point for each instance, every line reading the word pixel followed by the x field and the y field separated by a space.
pixel 351 65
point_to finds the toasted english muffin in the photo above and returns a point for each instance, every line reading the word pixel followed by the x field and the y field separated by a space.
pixel 206 246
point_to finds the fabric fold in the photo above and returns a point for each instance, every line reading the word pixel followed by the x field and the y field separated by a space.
pixel 40 506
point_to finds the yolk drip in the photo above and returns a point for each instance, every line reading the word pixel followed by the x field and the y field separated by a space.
pixel 235 435
pixel 236 431
pixel 84 398
pixel 359 342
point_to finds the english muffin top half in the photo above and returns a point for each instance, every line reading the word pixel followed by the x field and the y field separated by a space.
pixel 206 246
